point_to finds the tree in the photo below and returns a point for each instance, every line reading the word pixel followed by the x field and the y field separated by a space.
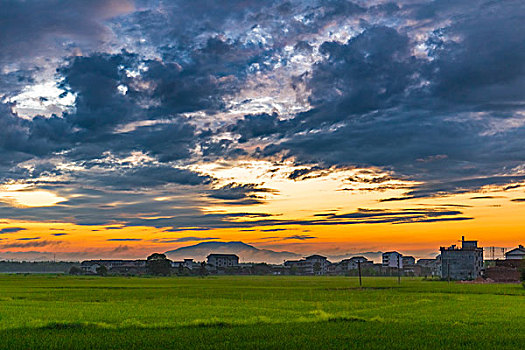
pixel 158 264
pixel 75 270
pixel 102 270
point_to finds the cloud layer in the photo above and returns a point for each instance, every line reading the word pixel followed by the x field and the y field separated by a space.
pixel 430 92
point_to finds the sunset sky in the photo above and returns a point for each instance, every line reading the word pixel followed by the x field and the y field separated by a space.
pixel 310 126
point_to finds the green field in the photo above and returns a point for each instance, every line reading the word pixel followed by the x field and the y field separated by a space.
pixel 43 312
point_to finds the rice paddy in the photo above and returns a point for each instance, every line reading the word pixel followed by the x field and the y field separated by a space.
pixel 229 312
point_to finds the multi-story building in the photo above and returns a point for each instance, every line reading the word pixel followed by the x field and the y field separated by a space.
pixel 186 263
pixel 313 264
pixel 392 259
pixel 353 263
pixel 114 266
pixel 408 260
pixel 223 260
pixel 430 267
pixel 462 263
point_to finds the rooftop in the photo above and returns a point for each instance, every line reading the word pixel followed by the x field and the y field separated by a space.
pixel 222 255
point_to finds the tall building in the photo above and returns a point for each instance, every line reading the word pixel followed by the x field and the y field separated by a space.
pixel 223 260
pixel 392 259
pixel 462 263
pixel 313 264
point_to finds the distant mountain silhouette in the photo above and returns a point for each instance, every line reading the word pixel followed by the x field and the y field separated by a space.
pixel 246 252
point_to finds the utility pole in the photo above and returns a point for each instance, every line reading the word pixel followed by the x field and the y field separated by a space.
pixel 359 269
pixel 398 270
pixel 448 270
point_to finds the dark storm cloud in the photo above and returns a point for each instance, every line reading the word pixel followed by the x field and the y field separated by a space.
pixel 303 173
pixel 252 126
pixel 379 216
pixel 429 91
pixel 189 229
pixel 430 120
pixel 362 216
pixel 11 229
pixel 486 197
pixel 34 28
pixel 234 193
pixel 370 72
pixel 148 176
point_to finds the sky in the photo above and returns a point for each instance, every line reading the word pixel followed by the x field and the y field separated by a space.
pixel 310 126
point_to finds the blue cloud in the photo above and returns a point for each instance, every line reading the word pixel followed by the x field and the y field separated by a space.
pixel 11 229
pixel 124 239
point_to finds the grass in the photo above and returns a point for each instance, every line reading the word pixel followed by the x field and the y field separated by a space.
pixel 230 312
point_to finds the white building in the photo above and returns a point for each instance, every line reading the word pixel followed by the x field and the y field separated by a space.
pixel 187 263
pixel 223 260
pixel 313 264
pixel 318 264
pixel 463 263
pixel 516 253
pixel 392 259
pixel 353 263
pixel 115 266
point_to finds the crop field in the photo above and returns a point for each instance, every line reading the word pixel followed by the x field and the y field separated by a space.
pixel 54 311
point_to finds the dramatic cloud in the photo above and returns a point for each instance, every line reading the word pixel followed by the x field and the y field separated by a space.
pixel 11 229
pixel 234 193
pixel 39 28
pixel 153 113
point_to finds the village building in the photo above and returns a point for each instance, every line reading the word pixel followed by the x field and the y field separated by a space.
pixel 462 263
pixel 299 267
pixel 318 264
pixel 186 263
pixel 353 263
pixel 392 259
pixel 408 260
pixel 313 264
pixel 114 266
pixel 516 253
pixel 431 267
pixel 222 260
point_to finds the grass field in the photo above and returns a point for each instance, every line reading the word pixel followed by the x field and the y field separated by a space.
pixel 43 312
